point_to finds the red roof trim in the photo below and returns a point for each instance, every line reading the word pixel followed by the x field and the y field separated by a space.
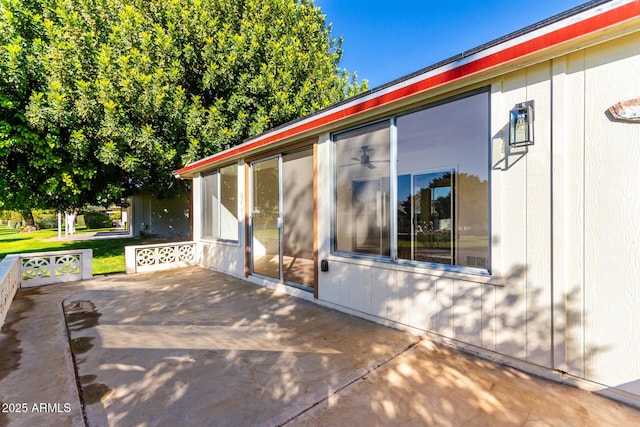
pixel 545 41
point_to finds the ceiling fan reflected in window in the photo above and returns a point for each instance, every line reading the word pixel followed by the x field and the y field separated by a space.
pixel 364 159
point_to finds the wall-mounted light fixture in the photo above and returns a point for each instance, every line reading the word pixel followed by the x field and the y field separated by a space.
pixel 521 124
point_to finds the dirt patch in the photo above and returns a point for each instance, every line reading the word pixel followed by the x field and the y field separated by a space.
pixel 94 393
pixel 82 344
pixel 9 341
pixel 81 315
pixel 11 350
pixel 87 379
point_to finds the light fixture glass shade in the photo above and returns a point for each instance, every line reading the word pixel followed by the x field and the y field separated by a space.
pixel 521 125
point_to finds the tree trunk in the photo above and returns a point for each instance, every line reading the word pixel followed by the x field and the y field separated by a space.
pixel 71 221
pixel 29 223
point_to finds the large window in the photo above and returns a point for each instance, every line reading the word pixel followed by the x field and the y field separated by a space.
pixel 362 178
pixel 441 196
pixel 220 204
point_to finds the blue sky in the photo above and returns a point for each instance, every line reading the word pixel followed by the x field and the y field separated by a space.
pixel 384 40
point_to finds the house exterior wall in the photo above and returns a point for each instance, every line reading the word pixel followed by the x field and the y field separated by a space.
pixel 220 255
pixel 563 296
pixel 508 312
pixel 162 218
pixel 565 232
pixel 596 204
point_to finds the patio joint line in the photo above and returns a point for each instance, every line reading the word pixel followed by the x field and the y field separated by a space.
pixel 355 380
pixel 76 374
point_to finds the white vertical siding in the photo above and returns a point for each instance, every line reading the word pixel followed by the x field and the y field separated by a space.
pixel 382 299
pixel 596 204
pixel 467 312
pixel 422 302
pixel 510 197
pixel 329 289
pixel 224 257
pixel 568 212
pixel 404 286
pixel 488 318
pixel 444 307
pixel 389 295
pixel 538 213
pixel 611 218
pixel 355 287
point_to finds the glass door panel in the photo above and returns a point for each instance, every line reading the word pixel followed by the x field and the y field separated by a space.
pixel 265 247
pixel 297 213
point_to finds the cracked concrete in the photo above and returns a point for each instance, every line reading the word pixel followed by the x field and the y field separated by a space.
pixel 195 347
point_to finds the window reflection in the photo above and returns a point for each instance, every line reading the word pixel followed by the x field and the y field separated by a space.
pixel 443 191
pixel 229 203
pixel 363 199
pixel 425 217
pixel 210 206
pixel 220 204
pixel 442 199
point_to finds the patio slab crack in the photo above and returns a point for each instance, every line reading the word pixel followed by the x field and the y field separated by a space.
pixel 353 381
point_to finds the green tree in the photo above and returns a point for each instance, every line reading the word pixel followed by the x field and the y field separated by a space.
pixel 119 93
pixel 38 167
pixel 23 149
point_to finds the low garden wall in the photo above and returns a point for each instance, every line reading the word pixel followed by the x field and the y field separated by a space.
pixel 162 256
pixel 41 268
pixel 9 283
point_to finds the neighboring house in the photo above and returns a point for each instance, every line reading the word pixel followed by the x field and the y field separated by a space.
pixel 413 205
pixel 167 218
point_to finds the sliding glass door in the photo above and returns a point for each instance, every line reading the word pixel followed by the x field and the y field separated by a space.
pixel 282 210
pixel 297 214
pixel 266 219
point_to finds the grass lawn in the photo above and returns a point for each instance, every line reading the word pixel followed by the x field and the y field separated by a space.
pixel 7 230
pixel 108 254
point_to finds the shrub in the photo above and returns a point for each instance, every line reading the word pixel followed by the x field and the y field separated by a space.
pixel 16 217
pixel 46 220
pixel 97 220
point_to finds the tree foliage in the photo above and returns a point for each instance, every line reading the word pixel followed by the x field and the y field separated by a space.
pixel 101 97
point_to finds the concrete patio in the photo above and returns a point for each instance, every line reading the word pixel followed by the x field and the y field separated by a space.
pixel 195 347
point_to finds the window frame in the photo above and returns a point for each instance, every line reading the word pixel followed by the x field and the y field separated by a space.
pixel 218 219
pixel 393 175
pixel 418 173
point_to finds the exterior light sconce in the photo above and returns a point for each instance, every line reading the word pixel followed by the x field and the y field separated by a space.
pixel 521 124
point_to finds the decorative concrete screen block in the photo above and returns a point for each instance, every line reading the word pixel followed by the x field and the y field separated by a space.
pixel 44 268
pixel 9 283
pixel 159 257
pixel 55 267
